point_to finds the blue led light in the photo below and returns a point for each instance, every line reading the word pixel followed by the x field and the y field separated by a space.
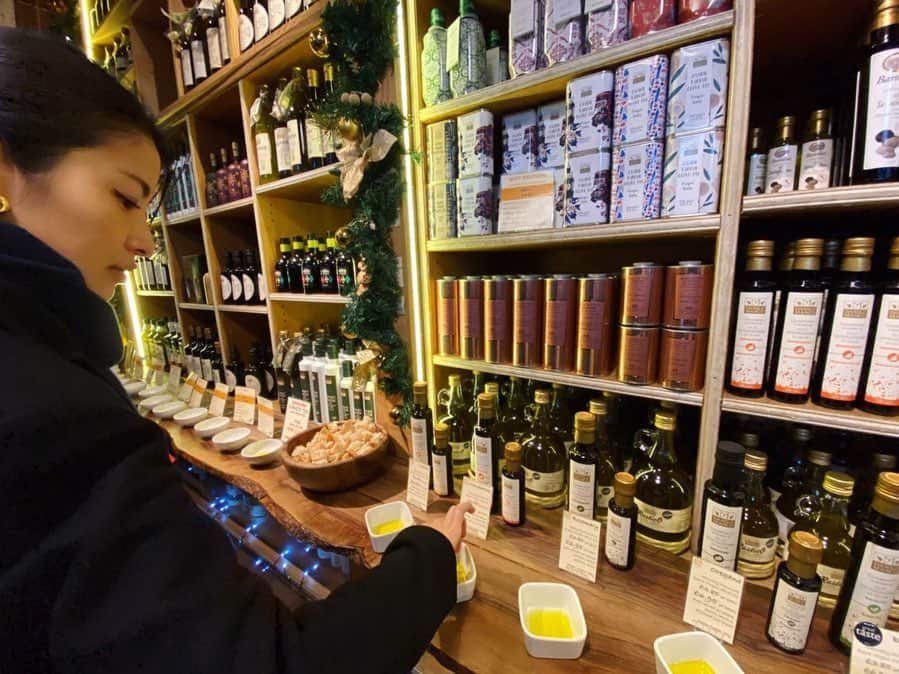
pixel 314 567
pixel 257 562
pixel 308 548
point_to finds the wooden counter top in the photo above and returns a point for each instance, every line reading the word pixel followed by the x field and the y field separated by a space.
pixel 625 611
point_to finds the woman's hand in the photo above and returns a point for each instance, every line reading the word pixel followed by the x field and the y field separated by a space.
pixel 453 525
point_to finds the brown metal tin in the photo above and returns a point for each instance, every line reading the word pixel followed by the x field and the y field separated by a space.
pixel 471 318
pixel 447 317
pixel 638 354
pixel 682 359
pixel 527 321
pixel 641 294
pixel 597 307
pixel 688 295
pixel 560 300
pixel 498 319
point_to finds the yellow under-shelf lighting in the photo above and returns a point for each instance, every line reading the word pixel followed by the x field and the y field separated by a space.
pixel 131 298
pixel 86 27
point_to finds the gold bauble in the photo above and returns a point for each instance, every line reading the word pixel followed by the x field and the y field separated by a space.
pixel 346 333
pixel 395 412
pixel 344 236
pixel 366 99
pixel 349 129
pixel 319 43
pixel 353 98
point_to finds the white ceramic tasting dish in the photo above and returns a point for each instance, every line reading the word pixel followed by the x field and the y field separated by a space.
pixel 169 409
pixel 262 452
pixel 231 439
pixel 191 417
pixel 209 427
pixel 134 388
pixel 465 590
pixel 152 391
pixel 149 403
pixel 552 596
pixel 375 517
pixel 675 648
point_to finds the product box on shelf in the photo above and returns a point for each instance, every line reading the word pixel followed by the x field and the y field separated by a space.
pixel 637 181
pixel 606 23
pixel 692 174
pixel 697 90
pixel 526 202
pixel 589 101
pixel 476 206
pixel 475 144
pixel 526 37
pixel 551 135
pixel 442 223
pixel 559 197
pixel 641 96
pixel 520 142
pixel 442 151
pixel 587 188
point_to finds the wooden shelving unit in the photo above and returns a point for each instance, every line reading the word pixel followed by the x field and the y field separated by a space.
pixel 844 199
pixel 311 298
pixel 156 293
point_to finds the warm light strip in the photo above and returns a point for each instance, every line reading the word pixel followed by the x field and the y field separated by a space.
pixel 86 27
pixel 135 318
pixel 412 255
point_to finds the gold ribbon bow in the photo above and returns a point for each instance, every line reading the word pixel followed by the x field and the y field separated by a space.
pixel 356 156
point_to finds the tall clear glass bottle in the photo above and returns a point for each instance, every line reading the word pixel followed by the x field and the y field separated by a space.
pixel 794 504
pixel 608 459
pixel 460 429
pixel 544 458
pixel 264 134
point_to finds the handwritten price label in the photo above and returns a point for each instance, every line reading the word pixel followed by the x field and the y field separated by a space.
pixel 713 599
pixel 579 551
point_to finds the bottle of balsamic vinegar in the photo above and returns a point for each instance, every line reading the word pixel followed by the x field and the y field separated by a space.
pixel 756 162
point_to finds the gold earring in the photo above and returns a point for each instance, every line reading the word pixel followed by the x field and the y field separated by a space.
pixel 4 204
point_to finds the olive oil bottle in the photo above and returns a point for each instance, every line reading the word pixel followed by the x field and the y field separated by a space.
pixel 758 540
pixel 608 459
pixel 442 461
pixel 621 529
pixel 513 508
pixel 722 507
pixel 795 594
pixel 460 429
pixel 485 445
pixel 804 500
pixel 865 485
pixel 582 467
pixel 783 156
pixel 756 162
pixel 422 424
pixel 879 390
pixel 544 458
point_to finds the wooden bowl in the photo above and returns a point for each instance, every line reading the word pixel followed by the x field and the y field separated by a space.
pixel 331 477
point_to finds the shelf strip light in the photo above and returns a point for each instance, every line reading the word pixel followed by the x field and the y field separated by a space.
pixel 131 298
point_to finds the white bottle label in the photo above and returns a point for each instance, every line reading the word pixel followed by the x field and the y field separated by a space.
pixel 814 169
pixel 604 494
pixel 758 169
pixel 441 488
pixel 187 69
pixel 249 288
pixel 260 286
pixel 260 22
pixel 461 457
pixel 223 40
pixel 294 146
pixel 831 580
pixel 618 537
pixel 483 455
pixel 199 59
pixel 882 387
pixel 751 340
pixel 511 500
pixel 791 616
pixel 663 520
pixel 581 488
pixel 215 48
pixel 293 7
pixel 206 366
pixel 275 13
pixel 757 550
pixel 236 288
pixel 314 141
pixel 781 173
pixel 252 382
pixel 230 380
pixel 264 154
pixel 544 483
pixel 721 533
pixel 797 347
pixel 875 587
pixel 216 377
pixel 882 120
pixel 282 149
pixel 848 339
pixel 245 32
pixel 419 440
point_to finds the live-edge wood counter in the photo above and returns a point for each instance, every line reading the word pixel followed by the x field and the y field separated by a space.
pixel 625 611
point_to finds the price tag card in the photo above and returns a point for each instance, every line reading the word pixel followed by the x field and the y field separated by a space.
pixel 296 420
pixel 266 417
pixel 244 404
pixel 526 201
pixel 452 45
pixel 196 398
pixel 187 387
pixel 174 377
pixel 579 552
pixel 480 495
pixel 418 484
pixel 875 650
pixel 219 398
pixel 713 599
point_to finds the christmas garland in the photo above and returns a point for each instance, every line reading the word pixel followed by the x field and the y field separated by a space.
pixel 358 36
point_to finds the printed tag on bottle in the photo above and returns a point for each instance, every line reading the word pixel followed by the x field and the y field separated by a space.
pixel 831 580
pixel 757 550
pixel 275 13
pixel 215 51
pixel 751 340
pixel 282 149
pixel 245 32
pixel 784 525
pixel 260 21
pixel 244 404
pixel 294 144
pixel 721 534
pixel 483 459
pixel 781 174
pixel 314 147
pixel 174 377
pixel 581 488
pixel 797 348
pixel 874 650
pixel 875 586
pixel 187 69
pixel 579 549
pixel 293 7
pixel 713 599
pixel 264 154
pixel 419 480
pixel 419 429
pixel 223 39
pixel 461 457
pixel 218 401
pixel 441 486
pixel 511 500
pixel 846 351
pixel 882 387
pixel 664 520
pixel 266 423
pixel 618 538
pixel 544 483
pixel 187 388
pixel 791 616
pixel 198 56
pixel 881 137
pixel 452 45
pixel 196 397
pixel 814 169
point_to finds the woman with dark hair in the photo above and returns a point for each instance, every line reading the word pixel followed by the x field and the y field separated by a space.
pixel 106 566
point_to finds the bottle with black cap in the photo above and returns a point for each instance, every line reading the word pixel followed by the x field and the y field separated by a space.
pixel 722 507
pixel 795 594
pixel 422 424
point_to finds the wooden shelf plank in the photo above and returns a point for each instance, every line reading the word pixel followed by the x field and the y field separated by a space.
pixel 156 293
pixel 550 82
pixel 183 218
pixel 238 309
pixel 705 226
pixel 241 207
pixel 808 413
pixel 306 186
pixel 314 298
pixel 571 379
pixel 808 201
pixel 112 25
pixel 195 306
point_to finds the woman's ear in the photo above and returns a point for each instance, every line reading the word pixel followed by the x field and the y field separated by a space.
pixel 10 184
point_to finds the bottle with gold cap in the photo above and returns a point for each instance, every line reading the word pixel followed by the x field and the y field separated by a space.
pixel 664 494
pixel 796 503
pixel 512 422
pixel 460 426
pixel 879 99
pixel 816 153
pixel 582 467
pixel 315 154
pixel 831 525
pixel 513 509
pixel 796 331
pixel 756 162
pixel 879 390
pixel 863 492
pixel 485 444
pixel 783 154
pixel 722 507
pixel 795 594
pixel 608 459
pixel 621 529
pixel 544 458
pixel 758 540
pixel 844 337
pixel 442 461
pixel 329 138
pixel 751 322
pixel 872 579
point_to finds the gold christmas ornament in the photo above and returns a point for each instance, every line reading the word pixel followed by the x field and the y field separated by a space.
pixel 367 366
pixel 344 236
pixel 319 43
pixel 349 129
pixel 395 412
pixel 345 98
pixel 346 333
pixel 354 98
pixel 366 98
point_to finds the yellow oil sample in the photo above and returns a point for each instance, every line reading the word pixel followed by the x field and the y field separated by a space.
pixel 388 527
pixel 550 622
pixel 691 667
pixel 461 572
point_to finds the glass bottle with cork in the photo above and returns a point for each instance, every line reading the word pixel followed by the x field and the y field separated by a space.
pixel 608 460
pixel 844 335
pixel 794 504
pixel 621 528
pixel 872 579
pixel 422 424
pixel 513 507
pixel 441 460
pixel 758 540
pixel 783 154
pixel 796 330
pixel 756 162
pixel 722 507
pixel 879 389
pixel 816 153
pixel 582 467
pixel 795 594
pixel 264 134
pixel 485 445
pixel 460 428
pixel 544 458
pixel 831 525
